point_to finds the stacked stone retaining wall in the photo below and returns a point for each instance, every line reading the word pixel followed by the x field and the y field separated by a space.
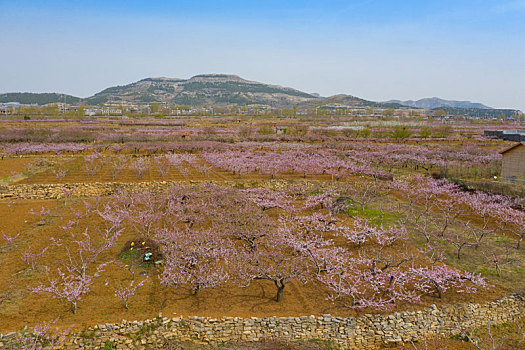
pixel 57 191
pixel 93 189
pixel 369 331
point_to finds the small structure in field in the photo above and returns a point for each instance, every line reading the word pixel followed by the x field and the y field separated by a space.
pixel 513 165
pixel 281 130
pixel 508 135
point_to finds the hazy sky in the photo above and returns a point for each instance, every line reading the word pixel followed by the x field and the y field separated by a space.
pixel 379 50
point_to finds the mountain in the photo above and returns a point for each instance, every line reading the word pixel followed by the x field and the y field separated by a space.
pixel 206 89
pixel 349 100
pixel 38 98
pixel 434 102
pixel 479 112
pixel 224 90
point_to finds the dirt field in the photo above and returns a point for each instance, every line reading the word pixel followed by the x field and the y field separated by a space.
pixel 19 306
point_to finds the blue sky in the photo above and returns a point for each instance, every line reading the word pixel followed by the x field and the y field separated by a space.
pixel 379 50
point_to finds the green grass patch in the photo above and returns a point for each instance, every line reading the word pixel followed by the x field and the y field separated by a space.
pixel 85 334
pixel 327 344
pixel 109 345
pixel 460 337
pixel 376 217
pixel 135 258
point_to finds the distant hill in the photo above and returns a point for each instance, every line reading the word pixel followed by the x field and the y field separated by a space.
pixel 351 101
pixel 201 90
pixel 434 102
pixel 232 90
pixel 206 89
pixel 38 98
pixel 480 113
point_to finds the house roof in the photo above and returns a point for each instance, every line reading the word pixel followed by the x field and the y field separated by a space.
pixel 512 147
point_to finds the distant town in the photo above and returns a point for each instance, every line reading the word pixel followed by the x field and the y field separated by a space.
pixel 162 110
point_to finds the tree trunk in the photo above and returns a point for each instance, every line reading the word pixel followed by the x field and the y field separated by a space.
pixel 438 289
pixel 280 290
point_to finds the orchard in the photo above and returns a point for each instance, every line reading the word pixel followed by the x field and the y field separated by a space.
pixel 236 220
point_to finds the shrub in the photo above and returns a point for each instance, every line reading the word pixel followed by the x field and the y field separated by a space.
pixel 401 132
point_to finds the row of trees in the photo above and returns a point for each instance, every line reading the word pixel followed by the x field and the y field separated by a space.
pixel 211 236
pixel 441 213
pixel 338 159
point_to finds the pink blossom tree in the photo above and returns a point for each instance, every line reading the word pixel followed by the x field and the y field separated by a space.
pixel 195 258
pixel 140 166
pixel 76 273
pixel 163 165
pixel 41 337
pixel 125 291
pixel 31 258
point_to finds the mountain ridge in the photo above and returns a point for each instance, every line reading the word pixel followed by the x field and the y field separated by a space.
pixel 209 89
pixel 203 89
pixel 223 90
pixel 37 98
pixel 436 102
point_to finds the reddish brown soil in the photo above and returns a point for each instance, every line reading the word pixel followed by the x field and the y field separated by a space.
pixel 10 166
pixel 77 173
pixel 24 307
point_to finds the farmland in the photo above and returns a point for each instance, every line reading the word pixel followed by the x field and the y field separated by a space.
pixel 105 219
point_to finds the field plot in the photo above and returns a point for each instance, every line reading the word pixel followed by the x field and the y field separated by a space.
pixel 226 217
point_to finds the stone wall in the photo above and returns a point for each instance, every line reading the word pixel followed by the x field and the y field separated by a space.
pixel 57 191
pixel 365 332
